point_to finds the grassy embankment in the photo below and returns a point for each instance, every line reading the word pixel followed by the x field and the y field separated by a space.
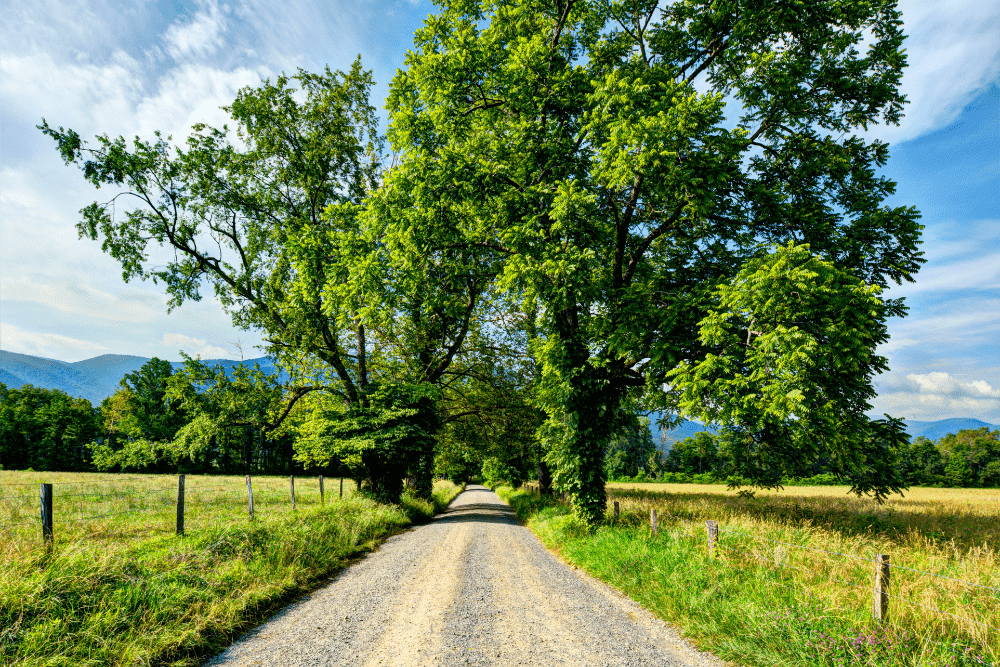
pixel 767 604
pixel 123 589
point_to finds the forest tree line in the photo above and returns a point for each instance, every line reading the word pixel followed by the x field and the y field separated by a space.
pixel 969 458
pixel 46 429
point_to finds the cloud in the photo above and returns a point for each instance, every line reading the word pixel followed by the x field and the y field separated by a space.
pixel 194 346
pixel 938 395
pixel 943 384
pixel 49 345
pixel 72 296
pixel 953 50
pixel 199 36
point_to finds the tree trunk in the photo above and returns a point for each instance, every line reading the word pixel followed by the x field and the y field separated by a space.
pixel 544 476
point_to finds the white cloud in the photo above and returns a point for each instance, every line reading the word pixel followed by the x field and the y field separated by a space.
pixel 49 345
pixel 953 50
pixel 75 297
pixel 199 36
pixel 939 383
pixel 194 346
pixel 938 395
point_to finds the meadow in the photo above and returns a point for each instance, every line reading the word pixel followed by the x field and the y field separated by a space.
pixel 120 587
pixel 792 581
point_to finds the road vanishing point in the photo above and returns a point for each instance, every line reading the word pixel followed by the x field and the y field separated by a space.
pixel 472 587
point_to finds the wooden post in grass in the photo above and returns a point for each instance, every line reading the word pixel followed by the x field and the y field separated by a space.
pixel 46 500
pixel 291 489
pixel 616 511
pixel 250 496
pixel 342 487
pixel 180 504
pixel 321 489
pixel 880 598
pixel 654 527
pixel 713 536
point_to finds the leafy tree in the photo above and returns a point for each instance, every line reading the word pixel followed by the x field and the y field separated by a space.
pixel 276 216
pixel 923 463
pixel 694 455
pixel 630 450
pixel 790 370
pixel 586 148
pixel 45 429
pixel 973 457
pixel 244 212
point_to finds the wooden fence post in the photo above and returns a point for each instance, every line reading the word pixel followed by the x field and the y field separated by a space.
pixel 180 504
pixel 321 501
pixel 616 511
pixel 880 598
pixel 45 495
pixel 653 525
pixel 341 487
pixel 713 536
pixel 291 489
pixel 250 496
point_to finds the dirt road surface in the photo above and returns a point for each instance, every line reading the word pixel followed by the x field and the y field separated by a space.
pixel 472 587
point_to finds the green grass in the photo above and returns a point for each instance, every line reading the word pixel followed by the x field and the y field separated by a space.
pixel 749 610
pixel 124 590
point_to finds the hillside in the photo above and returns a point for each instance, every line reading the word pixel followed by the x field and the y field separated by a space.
pixel 934 430
pixel 97 378
pixel 938 429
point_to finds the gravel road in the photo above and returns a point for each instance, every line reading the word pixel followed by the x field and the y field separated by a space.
pixel 472 587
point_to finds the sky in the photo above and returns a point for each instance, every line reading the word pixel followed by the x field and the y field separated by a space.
pixel 130 68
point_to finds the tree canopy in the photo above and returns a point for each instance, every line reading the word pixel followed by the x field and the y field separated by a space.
pixel 668 206
pixel 624 161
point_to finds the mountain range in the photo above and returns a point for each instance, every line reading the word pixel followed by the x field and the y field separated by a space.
pixel 932 430
pixel 96 379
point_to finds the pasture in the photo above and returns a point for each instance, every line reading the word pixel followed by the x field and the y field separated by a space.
pixel 118 508
pixel 120 587
pixel 792 579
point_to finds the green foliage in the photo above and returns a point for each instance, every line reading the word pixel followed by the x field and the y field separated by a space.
pixel 46 429
pixel 260 192
pixel 695 455
pixel 569 144
pixel 631 451
pixel 793 343
pixel 973 457
pixel 381 441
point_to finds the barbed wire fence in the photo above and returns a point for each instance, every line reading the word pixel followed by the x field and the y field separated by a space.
pixel 13 507
pixel 880 586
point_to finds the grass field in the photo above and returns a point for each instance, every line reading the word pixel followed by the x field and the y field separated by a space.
pixel 119 587
pixel 94 506
pixel 767 601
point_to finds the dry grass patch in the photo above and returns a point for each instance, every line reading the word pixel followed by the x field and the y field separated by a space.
pixel 822 542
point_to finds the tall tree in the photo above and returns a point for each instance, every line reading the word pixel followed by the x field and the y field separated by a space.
pixel 277 216
pixel 45 429
pixel 617 161
pixel 243 210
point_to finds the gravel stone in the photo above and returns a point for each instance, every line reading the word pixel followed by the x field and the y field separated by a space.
pixel 473 587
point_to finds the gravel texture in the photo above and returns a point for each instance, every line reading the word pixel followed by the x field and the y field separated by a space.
pixel 472 587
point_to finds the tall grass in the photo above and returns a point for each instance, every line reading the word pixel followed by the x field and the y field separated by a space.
pixel 766 601
pixel 123 589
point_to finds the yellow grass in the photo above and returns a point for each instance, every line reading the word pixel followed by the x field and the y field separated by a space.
pixel 954 533
pixel 115 507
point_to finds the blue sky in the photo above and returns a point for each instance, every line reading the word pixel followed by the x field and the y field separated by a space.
pixel 133 67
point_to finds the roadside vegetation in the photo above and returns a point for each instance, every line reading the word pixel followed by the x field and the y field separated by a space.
pixel 763 601
pixel 123 589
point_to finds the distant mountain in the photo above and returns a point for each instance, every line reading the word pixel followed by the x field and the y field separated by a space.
pixel 97 378
pixel 939 429
pixel 665 438
pixel 933 430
